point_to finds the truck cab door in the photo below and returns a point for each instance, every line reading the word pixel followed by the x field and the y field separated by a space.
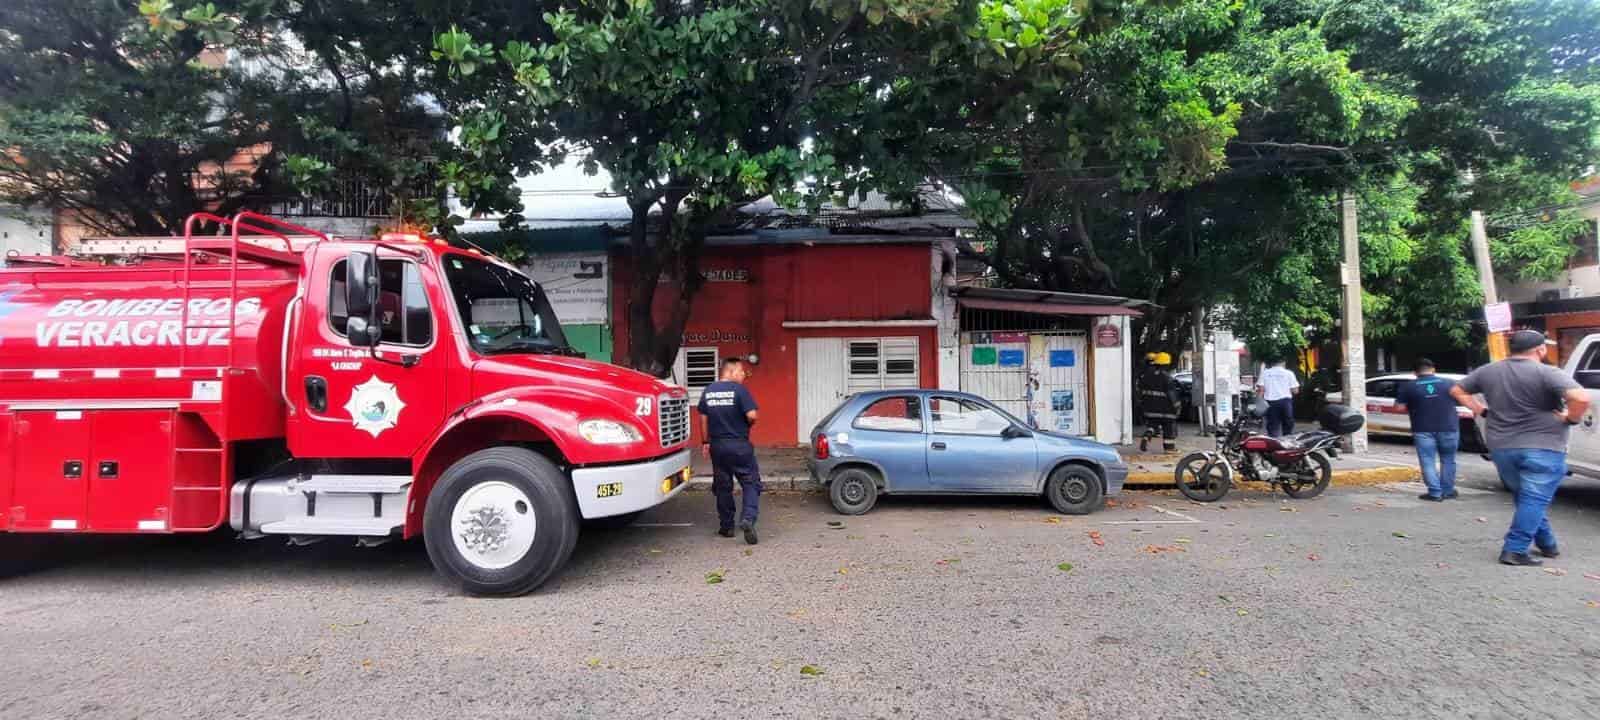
pixel 346 403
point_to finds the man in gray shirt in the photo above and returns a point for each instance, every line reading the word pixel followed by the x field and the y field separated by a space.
pixel 1531 407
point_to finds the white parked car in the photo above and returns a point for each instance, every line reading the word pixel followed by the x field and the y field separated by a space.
pixel 1583 448
pixel 1384 419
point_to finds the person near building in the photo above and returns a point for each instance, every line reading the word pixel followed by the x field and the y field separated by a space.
pixel 1278 386
pixel 1528 410
pixel 728 410
pixel 1159 399
pixel 1435 429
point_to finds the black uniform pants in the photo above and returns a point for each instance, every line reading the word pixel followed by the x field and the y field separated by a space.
pixel 735 459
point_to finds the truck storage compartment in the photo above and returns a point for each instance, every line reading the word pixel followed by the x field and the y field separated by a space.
pixel 130 470
pixel 50 485
pixel 92 470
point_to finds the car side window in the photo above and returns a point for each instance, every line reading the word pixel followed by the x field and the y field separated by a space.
pixel 1588 368
pixel 1382 389
pixel 902 413
pixel 964 417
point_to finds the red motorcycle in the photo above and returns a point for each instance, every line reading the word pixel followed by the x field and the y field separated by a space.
pixel 1300 464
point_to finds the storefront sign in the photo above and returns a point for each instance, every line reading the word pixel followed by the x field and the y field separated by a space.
pixel 1011 358
pixel 576 284
pixel 1107 335
pixel 1499 316
pixel 736 275
pixel 713 337
pixel 983 355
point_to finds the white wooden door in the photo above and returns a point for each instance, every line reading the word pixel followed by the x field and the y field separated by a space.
pixel 822 381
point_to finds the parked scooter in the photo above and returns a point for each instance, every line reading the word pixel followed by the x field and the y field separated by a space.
pixel 1299 464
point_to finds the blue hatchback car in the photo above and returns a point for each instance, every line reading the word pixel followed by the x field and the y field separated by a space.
pixel 943 442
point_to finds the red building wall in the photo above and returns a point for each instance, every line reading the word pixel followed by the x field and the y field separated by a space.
pixel 754 289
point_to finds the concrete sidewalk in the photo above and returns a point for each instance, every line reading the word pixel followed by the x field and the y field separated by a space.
pixel 784 468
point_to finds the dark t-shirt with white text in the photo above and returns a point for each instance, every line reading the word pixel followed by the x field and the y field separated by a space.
pixel 724 404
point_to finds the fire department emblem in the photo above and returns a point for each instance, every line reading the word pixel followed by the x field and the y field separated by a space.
pixel 374 406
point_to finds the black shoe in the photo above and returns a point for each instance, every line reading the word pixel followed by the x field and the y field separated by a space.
pixel 1451 495
pixel 1430 498
pixel 725 532
pixel 749 529
pixel 1552 553
pixel 1511 558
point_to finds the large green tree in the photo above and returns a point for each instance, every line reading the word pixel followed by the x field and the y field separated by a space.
pixel 1195 159
pixel 136 114
pixel 695 109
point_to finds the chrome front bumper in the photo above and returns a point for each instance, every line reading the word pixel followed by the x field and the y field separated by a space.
pixel 641 485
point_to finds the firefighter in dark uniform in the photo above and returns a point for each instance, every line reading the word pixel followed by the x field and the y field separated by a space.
pixel 1159 400
pixel 729 410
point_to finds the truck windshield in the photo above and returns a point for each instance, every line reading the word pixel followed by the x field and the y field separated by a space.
pixel 502 309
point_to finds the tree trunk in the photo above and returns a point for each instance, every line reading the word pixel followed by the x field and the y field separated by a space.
pixel 642 295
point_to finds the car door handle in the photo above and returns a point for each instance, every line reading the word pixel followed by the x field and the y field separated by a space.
pixel 937 446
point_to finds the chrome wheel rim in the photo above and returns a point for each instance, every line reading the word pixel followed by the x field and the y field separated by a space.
pixel 493 525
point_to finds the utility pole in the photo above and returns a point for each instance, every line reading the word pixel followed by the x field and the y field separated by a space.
pixel 1354 326
pixel 1197 336
pixel 1480 254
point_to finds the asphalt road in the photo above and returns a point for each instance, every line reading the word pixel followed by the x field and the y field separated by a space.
pixel 1257 607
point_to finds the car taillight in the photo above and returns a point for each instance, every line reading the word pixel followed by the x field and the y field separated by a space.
pixel 821 446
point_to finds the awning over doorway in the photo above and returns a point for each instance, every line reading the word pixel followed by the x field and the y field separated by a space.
pixel 1045 308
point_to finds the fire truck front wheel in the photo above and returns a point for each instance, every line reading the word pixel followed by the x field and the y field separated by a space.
pixel 501 521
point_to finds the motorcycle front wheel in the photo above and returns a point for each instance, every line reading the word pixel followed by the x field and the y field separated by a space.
pixel 1201 483
pixel 1311 478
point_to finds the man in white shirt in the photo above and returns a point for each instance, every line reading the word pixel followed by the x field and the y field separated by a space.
pixel 1278 386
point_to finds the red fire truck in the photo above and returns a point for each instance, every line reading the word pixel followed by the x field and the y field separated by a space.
pixel 287 383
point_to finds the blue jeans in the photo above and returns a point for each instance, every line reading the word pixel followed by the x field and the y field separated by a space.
pixel 1437 453
pixel 1280 417
pixel 1533 475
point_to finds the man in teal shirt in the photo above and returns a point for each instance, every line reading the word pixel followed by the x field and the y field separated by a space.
pixel 1435 429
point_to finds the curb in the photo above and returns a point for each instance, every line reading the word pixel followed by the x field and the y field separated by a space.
pixel 1357 477
pixel 770 483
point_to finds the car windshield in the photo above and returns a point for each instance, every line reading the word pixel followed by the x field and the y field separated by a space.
pixel 502 310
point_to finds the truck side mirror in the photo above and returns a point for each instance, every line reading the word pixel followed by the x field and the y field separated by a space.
pixel 362 325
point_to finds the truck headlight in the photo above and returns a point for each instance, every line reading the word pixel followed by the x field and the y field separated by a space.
pixel 608 432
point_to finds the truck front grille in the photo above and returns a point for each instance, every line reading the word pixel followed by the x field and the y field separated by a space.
pixel 674 419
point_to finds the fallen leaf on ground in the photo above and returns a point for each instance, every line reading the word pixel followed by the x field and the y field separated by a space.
pixel 655 551
pixel 1481 519
pixel 810 670
pixel 1184 541
pixel 844 571
pixel 1158 549
pixel 346 626
pixel 748 552
pixel 1064 567
pixel 835 523
pixel 1313 557
pixel 1591 576
pixel 592 662
pixel 1225 598
pixel 797 613
pixel 1243 612
pixel 1399 534
pixel 1558 572
pixel 1272 535
pixel 714 577
pixel 1202 673
pixel 1592 603
pixel 1440 565
pixel 366 663
pixel 1286 508
pixel 1053 520
pixel 1094 535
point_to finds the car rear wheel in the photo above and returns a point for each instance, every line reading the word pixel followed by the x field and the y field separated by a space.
pixel 501 521
pixel 853 491
pixel 1074 490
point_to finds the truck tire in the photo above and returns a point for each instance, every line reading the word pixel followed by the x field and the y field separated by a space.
pixel 501 521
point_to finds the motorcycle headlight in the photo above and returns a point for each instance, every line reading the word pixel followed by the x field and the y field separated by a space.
pixel 608 432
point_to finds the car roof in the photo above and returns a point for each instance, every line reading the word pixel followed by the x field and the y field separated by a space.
pixel 875 394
